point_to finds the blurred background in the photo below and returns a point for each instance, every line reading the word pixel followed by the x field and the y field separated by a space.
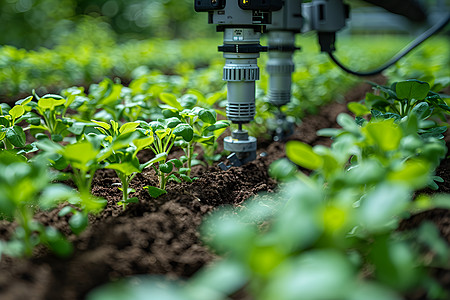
pixel 49 45
pixel 31 24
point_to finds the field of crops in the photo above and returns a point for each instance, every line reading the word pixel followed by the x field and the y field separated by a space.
pixel 110 186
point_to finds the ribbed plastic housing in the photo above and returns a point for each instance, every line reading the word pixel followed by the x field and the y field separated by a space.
pixel 241 112
pixel 240 73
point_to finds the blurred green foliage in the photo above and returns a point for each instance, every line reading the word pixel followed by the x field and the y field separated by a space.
pixel 34 23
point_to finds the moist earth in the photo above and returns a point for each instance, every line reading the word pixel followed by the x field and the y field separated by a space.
pixel 160 236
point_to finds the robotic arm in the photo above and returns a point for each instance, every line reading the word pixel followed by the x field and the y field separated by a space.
pixel 243 21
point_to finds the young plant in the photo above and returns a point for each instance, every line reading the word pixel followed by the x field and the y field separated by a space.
pixel 166 133
pixel 403 99
pixel 84 158
pixel 12 135
pixel 203 122
pixel 120 149
pixel 24 187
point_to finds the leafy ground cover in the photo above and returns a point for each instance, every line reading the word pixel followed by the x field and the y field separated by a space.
pixel 160 236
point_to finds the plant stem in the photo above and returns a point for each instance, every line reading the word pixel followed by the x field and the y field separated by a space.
pixel 189 155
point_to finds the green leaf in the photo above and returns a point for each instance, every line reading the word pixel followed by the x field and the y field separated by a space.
pixel 178 164
pixel 422 110
pixel 185 131
pixel 143 143
pixel 348 123
pixel 154 191
pixel 218 125
pixel 16 136
pixel 80 155
pixel 381 205
pixel 358 109
pixel 412 89
pixel 50 103
pixel 303 155
pixel 128 127
pixel 126 168
pixel 384 134
pixel 166 168
pixel 172 122
pixel 17 111
pixel 282 169
pixel 57 242
pixel 170 100
pixel 158 158
pixel 207 116
pixel 188 101
pixel 186 178
pixel 78 222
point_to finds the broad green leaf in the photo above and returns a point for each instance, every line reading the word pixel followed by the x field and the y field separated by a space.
pixel 282 169
pixel 414 173
pixel 303 155
pixel 166 167
pixel 384 134
pixel 80 155
pixel 143 143
pixel 16 136
pixel 422 110
pixel 172 122
pixel 412 89
pixel 188 101
pixel 185 131
pixel 218 125
pixel 317 274
pixel 207 116
pixel 128 127
pixel 358 109
pixel 170 100
pixel 178 164
pixel 50 103
pixel 126 168
pixel 16 111
pixel 154 191
pixel 381 205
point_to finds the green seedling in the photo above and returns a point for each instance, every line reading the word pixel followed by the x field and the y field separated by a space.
pixel 120 149
pixel 166 133
pixel 84 157
pixel 203 122
pixel 403 99
pixel 12 135
pixel 52 109
pixel 23 188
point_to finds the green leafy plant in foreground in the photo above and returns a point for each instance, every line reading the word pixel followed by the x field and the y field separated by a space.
pixel 23 188
pixel 85 159
pixel 332 235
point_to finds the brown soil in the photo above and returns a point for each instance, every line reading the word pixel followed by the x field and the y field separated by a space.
pixel 160 236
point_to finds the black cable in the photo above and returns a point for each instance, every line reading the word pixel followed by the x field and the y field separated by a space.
pixel 421 38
